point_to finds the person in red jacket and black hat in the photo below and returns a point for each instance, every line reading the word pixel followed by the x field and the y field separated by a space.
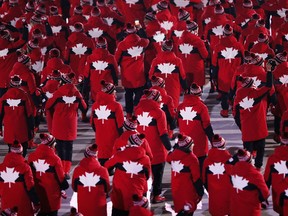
pixel 16 107
pixel 152 122
pixel 17 184
pixel 91 197
pixel 186 183
pixel 64 105
pixel 48 172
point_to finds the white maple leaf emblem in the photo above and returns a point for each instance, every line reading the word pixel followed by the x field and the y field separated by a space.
pixel 217 169
pixel 229 53
pixel 135 51
pixel 244 22
pixel 262 55
pixel 69 100
pixel 166 68
pixel 13 22
pixel 9 176
pixel 185 49
pixel 109 20
pixel 48 94
pixel 95 32
pixel 41 166
pixel 239 182
pixel 218 30
pixel 188 114
pixel 102 113
pixel 79 49
pixel 207 20
pixel 89 180
pixel 281 167
pixel 56 29
pixel 72 29
pixel 38 66
pixel 176 166
pixel 167 25
pixel 286 193
pixel 181 3
pixel 13 102
pixel 132 167
pixel 281 12
pixel 284 79
pixel 43 50
pixel 3 53
pixel 100 65
pixel 246 103
pixel 159 36
pixel 256 81
pixel 178 33
pixel 144 119
pixel 130 2
pixel 286 36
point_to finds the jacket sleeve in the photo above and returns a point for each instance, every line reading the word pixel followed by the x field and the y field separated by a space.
pixel 60 175
pixel 196 178
pixel 29 185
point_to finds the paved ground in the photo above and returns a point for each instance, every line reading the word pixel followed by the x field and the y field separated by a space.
pixel 224 126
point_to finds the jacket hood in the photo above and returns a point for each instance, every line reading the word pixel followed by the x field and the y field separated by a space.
pixel 281 152
pixel 217 155
pixel 100 53
pixel 13 159
pixel 90 163
pixel 104 98
pixel 55 63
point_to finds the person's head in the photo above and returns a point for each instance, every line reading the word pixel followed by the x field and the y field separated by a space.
pixel 32 44
pixel 36 19
pixel 218 9
pixel 183 15
pixel 130 124
pixel 54 53
pixel 95 12
pixel 136 139
pixel 228 30
pixel 195 89
pixel 53 10
pixel 162 5
pixel 263 38
pixel 16 147
pixel 79 27
pixel 247 82
pixel 256 59
pixel 15 81
pixel 23 58
pixel 78 10
pixel 101 43
pixel 244 155
pixel 218 142
pixel 184 141
pixel 30 7
pixel 40 9
pixel 247 56
pixel 47 139
pixel 247 4
pixel 192 27
pixel 91 151
pixel 167 45
pixel 157 81
pixel 281 57
pixel 107 87
pixel 13 3
pixel 153 94
pixel 37 33
pixel 130 28
pixel 68 77
pixel 5 34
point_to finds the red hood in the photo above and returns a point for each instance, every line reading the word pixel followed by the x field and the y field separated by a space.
pixel 13 159
pixel 68 89
pixel 104 98
pixel 90 164
pixel 133 153
pixel 55 63
pixel 43 152
pixel 192 99
pixel 100 53
pixel 148 104
pixel 179 154
pixel 217 155
pixel 281 152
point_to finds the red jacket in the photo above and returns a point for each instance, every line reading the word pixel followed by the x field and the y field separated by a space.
pixel 227 56
pixel 15 183
pixel 91 182
pixel 96 27
pixel 284 123
pixel 78 47
pixel 122 141
pixel 274 173
pixel 132 168
pixel 130 57
pixel 264 50
pixel 54 64
pixel 185 174
pixel 8 58
pixel 215 177
pixel 100 65
pixel 252 104
pixel 64 104
pixel 49 177
pixel 193 119
pixel 282 188
pixel 16 107
pixel 167 21
pixel 152 122
pixel 169 67
pixel 107 115
pixel 248 190
pixel 139 211
pixel 191 48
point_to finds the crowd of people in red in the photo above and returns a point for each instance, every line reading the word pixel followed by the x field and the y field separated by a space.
pixel 57 57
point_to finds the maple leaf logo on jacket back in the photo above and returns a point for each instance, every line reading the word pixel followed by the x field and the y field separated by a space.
pixel 95 32
pixel 56 29
pixel 132 168
pixel 69 100
pixel 166 68
pixel 109 20
pixel 281 168
pixel 229 53
pixel 188 114
pixel 247 103
pixel 176 166
pixel 217 169
pixel 159 36
pixel 239 182
pixel 9 176
pixel 218 30
pixel 89 180
pixel 41 166
pixel 144 119
pixel 100 65
pixel 135 51
pixel 182 3
pixel 185 49
pixel 13 102
pixel 102 113
pixel 131 2
pixel 79 49
pixel 4 53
